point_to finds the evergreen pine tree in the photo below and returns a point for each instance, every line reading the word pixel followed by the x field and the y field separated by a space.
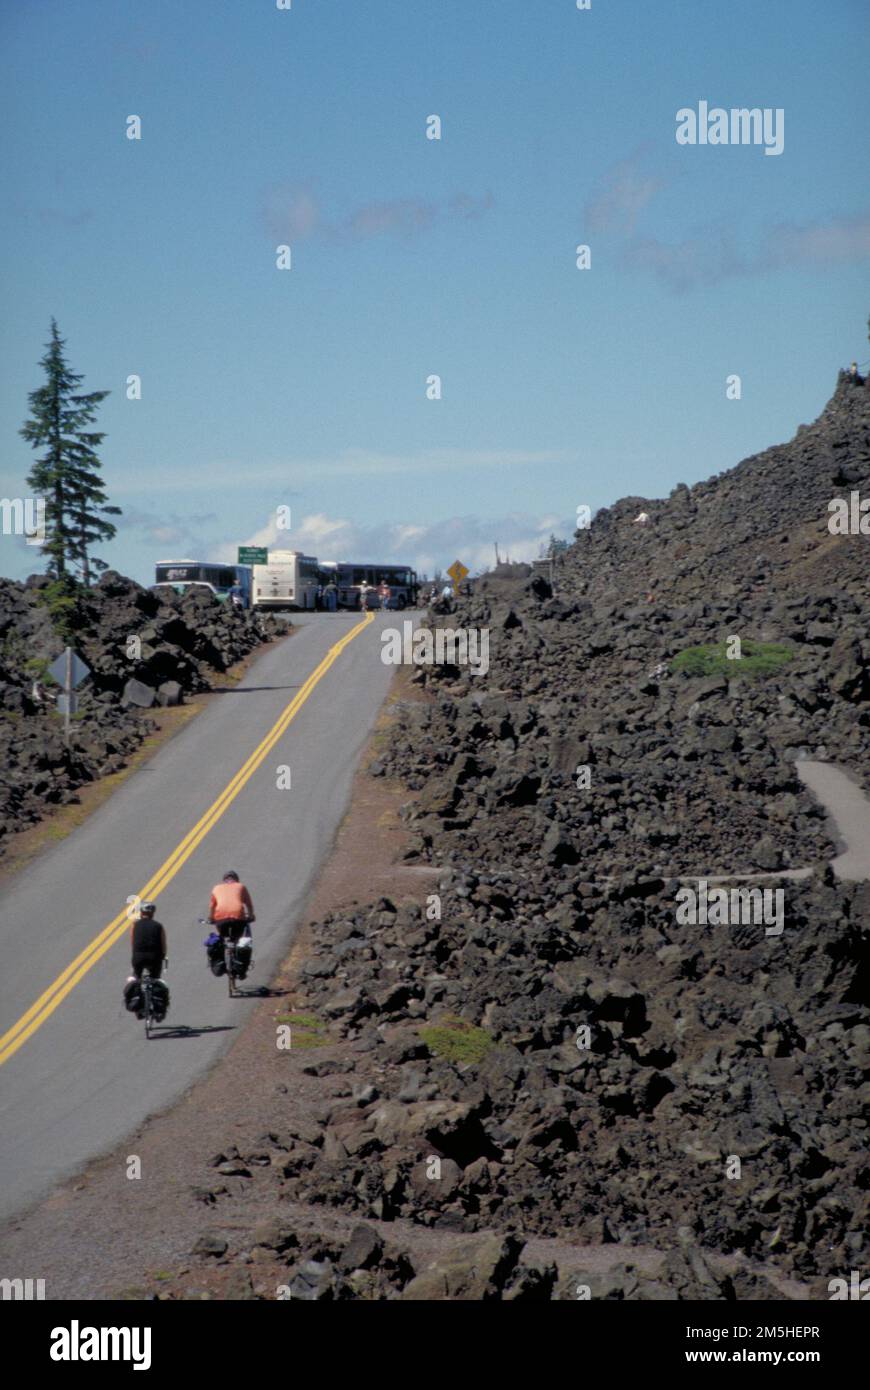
pixel 67 475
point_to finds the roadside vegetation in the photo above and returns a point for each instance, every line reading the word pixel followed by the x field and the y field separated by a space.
pixel 756 659
pixel 456 1040
pixel 306 1031
pixel 67 479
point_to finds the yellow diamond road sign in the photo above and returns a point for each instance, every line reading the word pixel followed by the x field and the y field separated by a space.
pixel 457 572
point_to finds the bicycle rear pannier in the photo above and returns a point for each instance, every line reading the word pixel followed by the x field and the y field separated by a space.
pixel 214 950
pixel 133 996
pixel 243 959
pixel 159 998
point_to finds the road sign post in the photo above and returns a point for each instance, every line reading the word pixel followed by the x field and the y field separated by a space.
pixel 457 572
pixel 69 671
pixel 68 692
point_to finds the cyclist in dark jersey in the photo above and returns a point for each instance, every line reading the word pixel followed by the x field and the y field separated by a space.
pixel 148 941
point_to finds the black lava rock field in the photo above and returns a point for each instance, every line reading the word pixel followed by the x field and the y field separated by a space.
pixel 585 1066
pixel 143 651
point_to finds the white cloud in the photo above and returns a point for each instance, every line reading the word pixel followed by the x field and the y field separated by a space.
pixel 713 256
pixel 293 212
pixel 470 539
pixel 171 530
pixel 238 475
pixel 839 239
pixel 319 527
pixel 714 252
pixel 623 193
pixel 410 533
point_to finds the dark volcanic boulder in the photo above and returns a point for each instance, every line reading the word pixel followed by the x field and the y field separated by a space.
pixel 139 694
pixel 142 650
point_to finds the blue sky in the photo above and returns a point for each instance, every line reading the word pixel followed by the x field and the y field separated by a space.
pixel 413 257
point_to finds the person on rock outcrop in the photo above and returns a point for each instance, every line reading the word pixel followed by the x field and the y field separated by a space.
pixel 444 602
pixel 42 697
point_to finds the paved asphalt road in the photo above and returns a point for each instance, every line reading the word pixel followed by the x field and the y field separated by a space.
pixel 87 1076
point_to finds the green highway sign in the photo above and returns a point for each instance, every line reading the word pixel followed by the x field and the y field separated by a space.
pixel 253 555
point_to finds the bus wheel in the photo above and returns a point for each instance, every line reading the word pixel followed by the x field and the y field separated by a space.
pixel 400 602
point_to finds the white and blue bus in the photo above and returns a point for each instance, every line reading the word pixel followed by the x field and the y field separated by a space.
pixel 349 576
pixel 219 578
pixel 288 580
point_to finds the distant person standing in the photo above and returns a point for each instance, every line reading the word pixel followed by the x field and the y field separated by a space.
pixel 364 592
pixel 42 697
pixel 330 596
pixel 237 597
pixel 446 602
pixel 384 593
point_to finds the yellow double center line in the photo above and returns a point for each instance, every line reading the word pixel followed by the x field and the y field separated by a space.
pixel 47 1002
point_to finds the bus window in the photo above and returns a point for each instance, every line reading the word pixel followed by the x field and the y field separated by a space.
pixel 168 574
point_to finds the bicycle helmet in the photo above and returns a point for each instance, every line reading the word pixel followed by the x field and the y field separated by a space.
pixel 147 909
pixel 231 875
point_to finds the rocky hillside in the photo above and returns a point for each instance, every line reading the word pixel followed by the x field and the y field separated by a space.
pixel 143 651
pixel 717 1100
pixel 757 528
pixel 687 774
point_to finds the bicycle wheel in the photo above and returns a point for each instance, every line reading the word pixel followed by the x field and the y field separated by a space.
pixel 229 961
pixel 146 1005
